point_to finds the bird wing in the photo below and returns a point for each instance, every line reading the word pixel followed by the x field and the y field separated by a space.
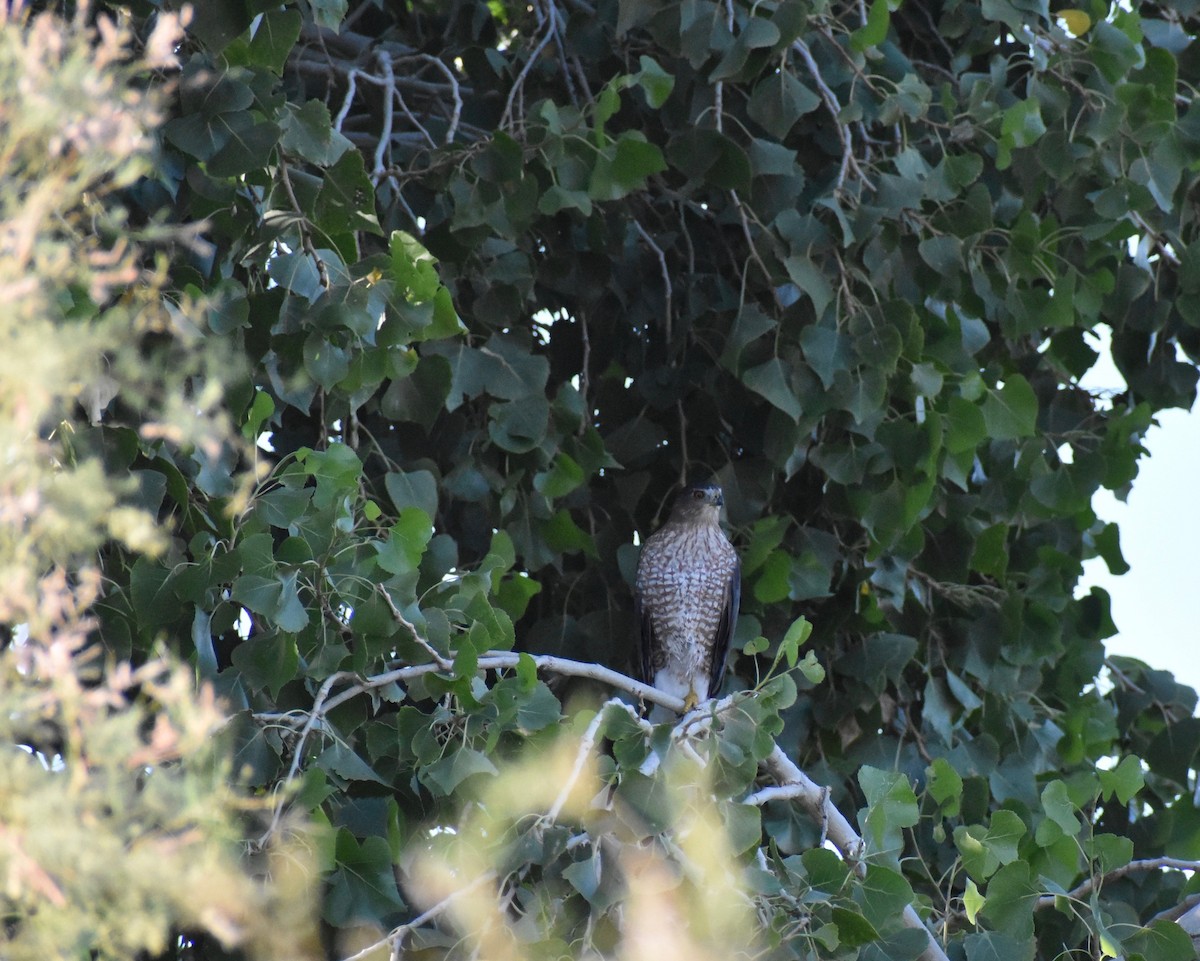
pixel 725 628
pixel 646 639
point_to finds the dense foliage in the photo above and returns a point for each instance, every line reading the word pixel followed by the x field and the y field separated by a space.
pixel 480 283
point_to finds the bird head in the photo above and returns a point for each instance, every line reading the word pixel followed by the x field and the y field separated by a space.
pixel 700 503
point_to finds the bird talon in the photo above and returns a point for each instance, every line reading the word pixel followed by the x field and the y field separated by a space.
pixel 690 702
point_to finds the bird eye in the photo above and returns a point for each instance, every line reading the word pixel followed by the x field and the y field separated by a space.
pixel 699 495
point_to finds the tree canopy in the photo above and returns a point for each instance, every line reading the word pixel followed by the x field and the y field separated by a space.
pixel 372 336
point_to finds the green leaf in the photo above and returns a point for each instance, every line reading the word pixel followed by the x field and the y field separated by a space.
pixel 884 895
pixel 539 710
pixel 266 662
pixel 1109 851
pixel 444 776
pixel 290 614
pixel 1108 546
pixel 563 476
pixel 336 470
pixel 945 786
pixel 973 901
pixel 1057 805
pixel 329 13
pixel 655 82
pixel 635 160
pixel 406 541
pixel 984 851
pixel 502 368
pixel 584 877
pixel 813 282
pixel 273 39
pixel 260 409
pixel 853 929
pixel 743 826
pixel 347 199
pixel 1125 780
pixel 990 554
pixel 874 31
pixel 247 147
pixel 756 646
pixel 779 101
pixel 153 598
pixel 339 760
pixel 943 254
pixel 813 671
pixel 966 427
pixel 1161 940
pixel 308 133
pixel 417 488
pixel 519 426
pixel 770 380
pixel 363 883
pixel 414 269
pixel 996 946
pixel 1011 894
pixel 1010 412
pixel 328 363
pixel 562 534
pixel 774 579
pixel 797 634
pixel 704 153
pixel 1021 126
pixel 891 807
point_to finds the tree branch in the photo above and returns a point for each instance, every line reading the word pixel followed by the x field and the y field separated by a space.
pixel 790 781
pixel 835 110
pixel 1084 889
pixel 815 799
pixel 395 936
pixel 499 660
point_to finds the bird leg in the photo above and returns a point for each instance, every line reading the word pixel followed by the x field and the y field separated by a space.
pixel 691 700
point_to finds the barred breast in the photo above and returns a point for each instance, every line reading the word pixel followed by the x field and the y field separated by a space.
pixel 683 578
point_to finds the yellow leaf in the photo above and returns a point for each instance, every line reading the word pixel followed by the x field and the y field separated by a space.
pixel 1076 22
pixel 972 900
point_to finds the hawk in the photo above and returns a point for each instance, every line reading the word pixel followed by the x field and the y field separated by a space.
pixel 686 595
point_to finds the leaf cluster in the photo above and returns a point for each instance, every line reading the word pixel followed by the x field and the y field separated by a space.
pixel 500 276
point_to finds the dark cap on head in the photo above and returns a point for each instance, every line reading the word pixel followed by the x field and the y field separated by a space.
pixel 692 500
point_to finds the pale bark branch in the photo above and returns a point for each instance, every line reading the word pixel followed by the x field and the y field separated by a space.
pixel 1149 864
pixel 790 781
pixel 396 935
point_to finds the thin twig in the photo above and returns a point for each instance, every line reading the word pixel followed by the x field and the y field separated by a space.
pixel 396 934
pixel 668 289
pixel 385 134
pixel 584 365
pixel 719 87
pixel 302 223
pixel 835 109
pixel 554 16
pixel 348 100
pixel 318 712
pixel 455 92
pixel 1084 889
pixel 586 745
pixel 749 235
pixel 506 117
pixel 399 618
